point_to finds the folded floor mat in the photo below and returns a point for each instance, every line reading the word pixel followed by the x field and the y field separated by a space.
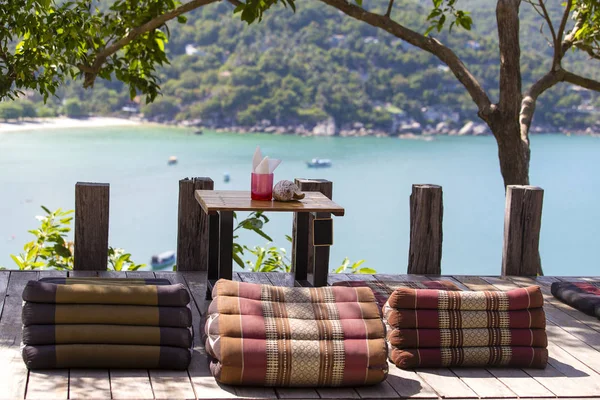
pixel 41 314
pixel 521 357
pixel 107 334
pixel 584 296
pixel 480 337
pixel 455 319
pixel 106 356
pixel 79 293
pixel 272 336
pixel 515 299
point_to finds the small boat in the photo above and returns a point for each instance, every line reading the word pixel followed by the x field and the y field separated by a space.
pixel 163 260
pixel 226 177
pixel 319 163
pixel 198 132
pixel 172 160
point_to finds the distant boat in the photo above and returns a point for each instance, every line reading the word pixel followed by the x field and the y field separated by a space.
pixel 319 163
pixel 226 177
pixel 198 132
pixel 172 160
pixel 163 260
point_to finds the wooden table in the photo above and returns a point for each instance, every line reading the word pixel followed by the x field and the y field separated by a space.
pixel 223 203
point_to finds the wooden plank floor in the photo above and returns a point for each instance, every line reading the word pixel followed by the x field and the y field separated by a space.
pixel 573 370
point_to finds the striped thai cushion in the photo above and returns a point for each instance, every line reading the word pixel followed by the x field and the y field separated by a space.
pixel 431 299
pixel 383 289
pixel 478 337
pixel 106 323
pixel 584 296
pixel 105 314
pixel 104 292
pixel 457 319
pixel 312 337
pixel 106 356
pixel 521 357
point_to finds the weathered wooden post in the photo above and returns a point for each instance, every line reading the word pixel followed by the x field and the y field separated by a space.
pixel 192 227
pixel 522 223
pixel 426 213
pixel 91 226
pixel 306 258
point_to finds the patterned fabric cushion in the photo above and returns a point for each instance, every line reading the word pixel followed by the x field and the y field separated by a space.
pixel 440 328
pixel 106 293
pixel 383 289
pixel 108 334
pixel 479 337
pixel 522 357
pixel 274 336
pixel 43 314
pixel 106 323
pixel 516 299
pixel 584 296
pixel 454 319
pixel 106 356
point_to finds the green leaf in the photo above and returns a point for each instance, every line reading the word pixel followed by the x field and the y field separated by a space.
pixel 359 2
pixel 261 233
pixel 367 271
pixel 18 260
pixel 357 264
pixel 238 260
pixel 161 43
pixel 182 19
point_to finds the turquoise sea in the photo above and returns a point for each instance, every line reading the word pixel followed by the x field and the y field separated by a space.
pixel 372 180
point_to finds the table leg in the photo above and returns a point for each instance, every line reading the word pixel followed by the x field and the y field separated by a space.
pixel 213 247
pixel 226 244
pixel 321 256
pixel 301 258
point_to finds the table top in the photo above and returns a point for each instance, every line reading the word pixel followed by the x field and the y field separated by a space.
pixel 213 201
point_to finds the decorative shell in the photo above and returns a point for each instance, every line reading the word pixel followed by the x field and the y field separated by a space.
pixel 287 191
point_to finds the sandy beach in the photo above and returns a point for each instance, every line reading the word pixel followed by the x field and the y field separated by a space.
pixel 64 123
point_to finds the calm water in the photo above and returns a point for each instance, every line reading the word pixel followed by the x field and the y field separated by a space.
pixel 372 179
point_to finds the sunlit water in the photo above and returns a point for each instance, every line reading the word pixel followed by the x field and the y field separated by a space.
pixel 372 180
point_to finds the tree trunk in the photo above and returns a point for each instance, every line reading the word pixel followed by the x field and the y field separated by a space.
pixel 513 151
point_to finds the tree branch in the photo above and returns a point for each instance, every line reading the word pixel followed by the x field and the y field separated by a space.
pixel 593 53
pixel 507 16
pixel 428 44
pixel 91 71
pixel 581 81
pixel 569 40
pixel 548 20
pixel 544 83
pixel 563 22
pixel 389 9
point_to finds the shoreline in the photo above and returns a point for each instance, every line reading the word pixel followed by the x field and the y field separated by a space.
pixel 428 134
pixel 65 123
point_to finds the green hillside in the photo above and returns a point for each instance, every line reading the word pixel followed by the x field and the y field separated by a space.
pixel 318 64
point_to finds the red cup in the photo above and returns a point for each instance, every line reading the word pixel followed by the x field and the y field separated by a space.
pixel 261 187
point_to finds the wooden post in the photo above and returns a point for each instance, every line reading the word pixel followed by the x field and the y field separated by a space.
pixel 192 227
pixel 522 223
pixel 226 244
pixel 318 257
pixel 426 213
pixel 91 226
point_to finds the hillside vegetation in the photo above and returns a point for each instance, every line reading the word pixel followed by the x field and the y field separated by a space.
pixel 318 65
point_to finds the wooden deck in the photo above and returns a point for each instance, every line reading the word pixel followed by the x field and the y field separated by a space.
pixel 573 370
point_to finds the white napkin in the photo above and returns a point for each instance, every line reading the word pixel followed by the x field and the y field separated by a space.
pixel 264 165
